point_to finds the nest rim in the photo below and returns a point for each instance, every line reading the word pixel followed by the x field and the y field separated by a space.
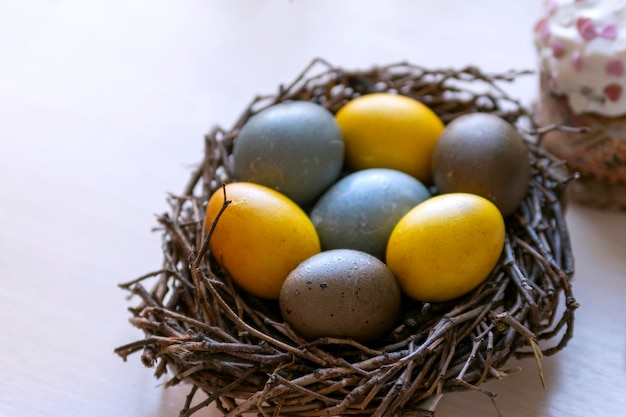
pixel 232 347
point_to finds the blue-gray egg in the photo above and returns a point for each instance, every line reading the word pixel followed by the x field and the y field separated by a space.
pixel 341 293
pixel 294 147
pixel 360 210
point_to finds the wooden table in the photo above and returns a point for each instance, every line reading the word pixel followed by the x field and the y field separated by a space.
pixel 103 106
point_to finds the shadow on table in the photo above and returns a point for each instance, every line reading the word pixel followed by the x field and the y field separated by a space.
pixel 520 394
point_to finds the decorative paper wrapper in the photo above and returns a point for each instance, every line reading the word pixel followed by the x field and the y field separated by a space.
pixel 597 152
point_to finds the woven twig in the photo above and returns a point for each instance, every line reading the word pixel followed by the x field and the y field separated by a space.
pixel 238 354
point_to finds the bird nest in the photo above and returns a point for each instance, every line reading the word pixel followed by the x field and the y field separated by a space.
pixel 239 355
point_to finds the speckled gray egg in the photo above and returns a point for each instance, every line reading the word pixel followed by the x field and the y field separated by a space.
pixel 483 154
pixel 293 147
pixel 360 210
pixel 341 293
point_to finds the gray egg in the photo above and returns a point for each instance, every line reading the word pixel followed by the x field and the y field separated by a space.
pixel 293 147
pixel 483 154
pixel 360 210
pixel 341 293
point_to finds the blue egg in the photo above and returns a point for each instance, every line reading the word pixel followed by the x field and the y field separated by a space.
pixel 360 210
pixel 294 147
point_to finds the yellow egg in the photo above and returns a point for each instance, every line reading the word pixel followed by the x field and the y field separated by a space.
pixel 446 246
pixel 260 237
pixel 384 130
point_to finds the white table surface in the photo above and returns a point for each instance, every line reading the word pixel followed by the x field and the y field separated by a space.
pixel 103 106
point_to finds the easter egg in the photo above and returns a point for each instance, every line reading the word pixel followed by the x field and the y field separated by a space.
pixel 361 209
pixel 446 246
pixel 294 147
pixel 482 154
pixel 384 130
pixel 341 293
pixel 260 237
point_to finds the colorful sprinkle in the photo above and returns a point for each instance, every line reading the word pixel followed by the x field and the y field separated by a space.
pixel 577 61
pixel 558 49
pixel 613 91
pixel 542 29
pixel 615 67
pixel 586 28
pixel 552 7
pixel 609 32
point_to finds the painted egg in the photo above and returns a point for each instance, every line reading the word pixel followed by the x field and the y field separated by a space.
pixel 294 147
pixel 360 210
pixel 483 154
pixel 341 293
pixel 260 237
pixel 384 130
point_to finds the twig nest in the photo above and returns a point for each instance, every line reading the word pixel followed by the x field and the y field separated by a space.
pixel 236 350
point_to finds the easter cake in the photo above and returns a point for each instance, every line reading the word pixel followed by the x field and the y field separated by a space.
pixel 348 278
pixel 581 47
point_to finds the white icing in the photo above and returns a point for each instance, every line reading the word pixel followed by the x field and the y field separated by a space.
pixel 578 66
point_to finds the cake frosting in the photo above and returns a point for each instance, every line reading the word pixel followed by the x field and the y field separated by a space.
pixel 582 51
